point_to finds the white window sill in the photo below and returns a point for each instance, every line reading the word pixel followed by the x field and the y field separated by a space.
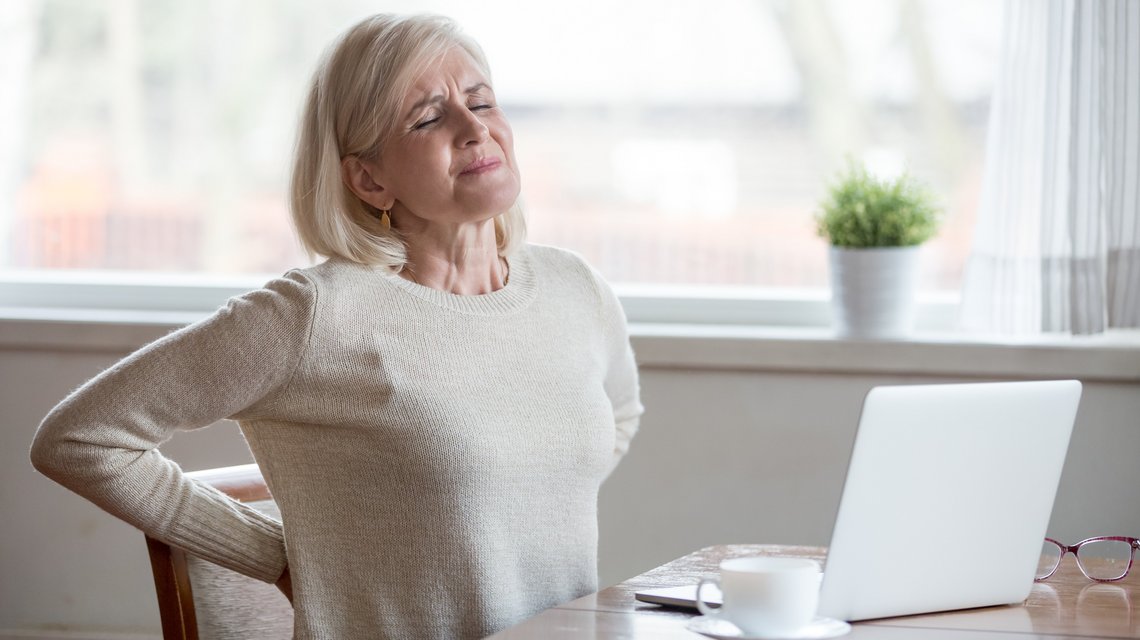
pixel 1111 357
pixel 672 327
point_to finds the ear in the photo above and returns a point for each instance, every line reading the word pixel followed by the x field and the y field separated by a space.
pixel 358 175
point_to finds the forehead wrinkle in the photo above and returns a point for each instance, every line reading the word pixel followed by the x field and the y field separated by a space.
pixel 436 98
pixel 475 88
pixel 425 101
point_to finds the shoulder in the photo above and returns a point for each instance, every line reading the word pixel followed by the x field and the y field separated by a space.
pixel 325 282
pixel 283 306
pixel 569 271
pixel 545 254
pixel 332 273
pixel 298 292
pixel 564 264
pixel 291 293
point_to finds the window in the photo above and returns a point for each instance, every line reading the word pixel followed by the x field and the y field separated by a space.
pixel 672 142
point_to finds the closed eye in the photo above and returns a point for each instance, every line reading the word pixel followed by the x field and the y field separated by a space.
pixel 423 124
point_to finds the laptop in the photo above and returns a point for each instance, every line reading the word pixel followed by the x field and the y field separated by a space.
pixel 947 499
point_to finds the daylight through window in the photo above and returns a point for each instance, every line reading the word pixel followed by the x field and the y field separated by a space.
pixel 670 142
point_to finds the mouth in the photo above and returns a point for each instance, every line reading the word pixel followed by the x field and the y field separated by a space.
pixel 481 165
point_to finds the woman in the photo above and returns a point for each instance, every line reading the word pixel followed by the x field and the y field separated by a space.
pixel 433 407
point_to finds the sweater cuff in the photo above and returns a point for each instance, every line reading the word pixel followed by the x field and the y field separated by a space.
pixel 221 530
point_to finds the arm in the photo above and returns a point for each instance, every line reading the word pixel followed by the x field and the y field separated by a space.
pixel 102 441
pixel 621 382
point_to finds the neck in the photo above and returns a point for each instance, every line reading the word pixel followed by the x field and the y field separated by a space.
pixel 463 261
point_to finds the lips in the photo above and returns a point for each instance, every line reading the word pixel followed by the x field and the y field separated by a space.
pixel 481 165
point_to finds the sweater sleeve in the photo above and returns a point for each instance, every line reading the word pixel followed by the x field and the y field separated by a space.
pixel 621 382
pixel 102 440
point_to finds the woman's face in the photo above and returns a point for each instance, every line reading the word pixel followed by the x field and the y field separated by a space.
pixel 451 159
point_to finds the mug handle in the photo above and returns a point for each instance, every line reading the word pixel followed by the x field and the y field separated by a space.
pixel 705 609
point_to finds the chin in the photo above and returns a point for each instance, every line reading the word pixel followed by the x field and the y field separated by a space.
pixel 497 204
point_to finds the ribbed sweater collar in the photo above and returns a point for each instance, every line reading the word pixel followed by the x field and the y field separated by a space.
pixel 517 294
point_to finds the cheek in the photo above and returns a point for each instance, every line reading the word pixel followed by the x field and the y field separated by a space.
pixel 424 168
pixel 506 139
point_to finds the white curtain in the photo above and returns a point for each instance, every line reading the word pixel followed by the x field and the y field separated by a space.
pixel 1057 243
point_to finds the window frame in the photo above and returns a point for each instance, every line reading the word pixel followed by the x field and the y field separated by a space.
pixel 107 295
pixel 713 330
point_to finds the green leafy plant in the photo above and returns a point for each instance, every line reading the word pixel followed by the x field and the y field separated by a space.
pixel 861 211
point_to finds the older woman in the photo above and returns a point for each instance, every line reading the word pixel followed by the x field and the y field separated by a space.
pixel 434 406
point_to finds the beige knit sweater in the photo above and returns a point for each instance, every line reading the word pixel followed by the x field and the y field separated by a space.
pixel 436 457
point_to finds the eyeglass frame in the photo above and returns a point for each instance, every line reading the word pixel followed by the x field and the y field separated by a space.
pixel 1134 543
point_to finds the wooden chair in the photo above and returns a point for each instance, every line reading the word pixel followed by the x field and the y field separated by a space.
pixel 198 600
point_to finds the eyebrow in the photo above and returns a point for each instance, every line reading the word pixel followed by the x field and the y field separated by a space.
pixel 439 97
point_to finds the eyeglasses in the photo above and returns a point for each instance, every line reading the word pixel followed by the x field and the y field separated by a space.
pixel 1104 558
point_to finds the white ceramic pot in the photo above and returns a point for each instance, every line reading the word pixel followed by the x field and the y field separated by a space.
pixel 872 291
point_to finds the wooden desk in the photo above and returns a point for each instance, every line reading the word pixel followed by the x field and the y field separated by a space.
pixel 1068 605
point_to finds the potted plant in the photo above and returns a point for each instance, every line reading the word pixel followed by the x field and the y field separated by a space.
pixel 875 227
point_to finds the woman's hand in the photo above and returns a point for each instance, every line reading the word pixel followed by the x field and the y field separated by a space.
pixel 285 584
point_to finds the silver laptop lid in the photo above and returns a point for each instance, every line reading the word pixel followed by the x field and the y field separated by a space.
pixel 947 498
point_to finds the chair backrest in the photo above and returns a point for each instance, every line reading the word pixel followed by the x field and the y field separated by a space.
pixel 198 600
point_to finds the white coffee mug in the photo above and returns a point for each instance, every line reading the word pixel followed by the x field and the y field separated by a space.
pixel 765 596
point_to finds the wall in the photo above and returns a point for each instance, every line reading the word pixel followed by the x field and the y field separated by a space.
pixel 744 441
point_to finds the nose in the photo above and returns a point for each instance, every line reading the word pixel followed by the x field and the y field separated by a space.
pixel 472 131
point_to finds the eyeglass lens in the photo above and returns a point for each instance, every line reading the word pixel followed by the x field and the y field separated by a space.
pixel 1050 556
pixel 1105 559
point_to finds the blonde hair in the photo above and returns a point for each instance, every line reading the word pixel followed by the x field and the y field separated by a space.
pixel 352 108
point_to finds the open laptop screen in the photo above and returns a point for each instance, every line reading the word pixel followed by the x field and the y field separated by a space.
pixel 948 495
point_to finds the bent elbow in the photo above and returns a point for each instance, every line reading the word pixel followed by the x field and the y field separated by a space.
pixel 59 455
pixel 47 452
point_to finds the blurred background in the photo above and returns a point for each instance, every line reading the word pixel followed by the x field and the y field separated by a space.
pixel 675 143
